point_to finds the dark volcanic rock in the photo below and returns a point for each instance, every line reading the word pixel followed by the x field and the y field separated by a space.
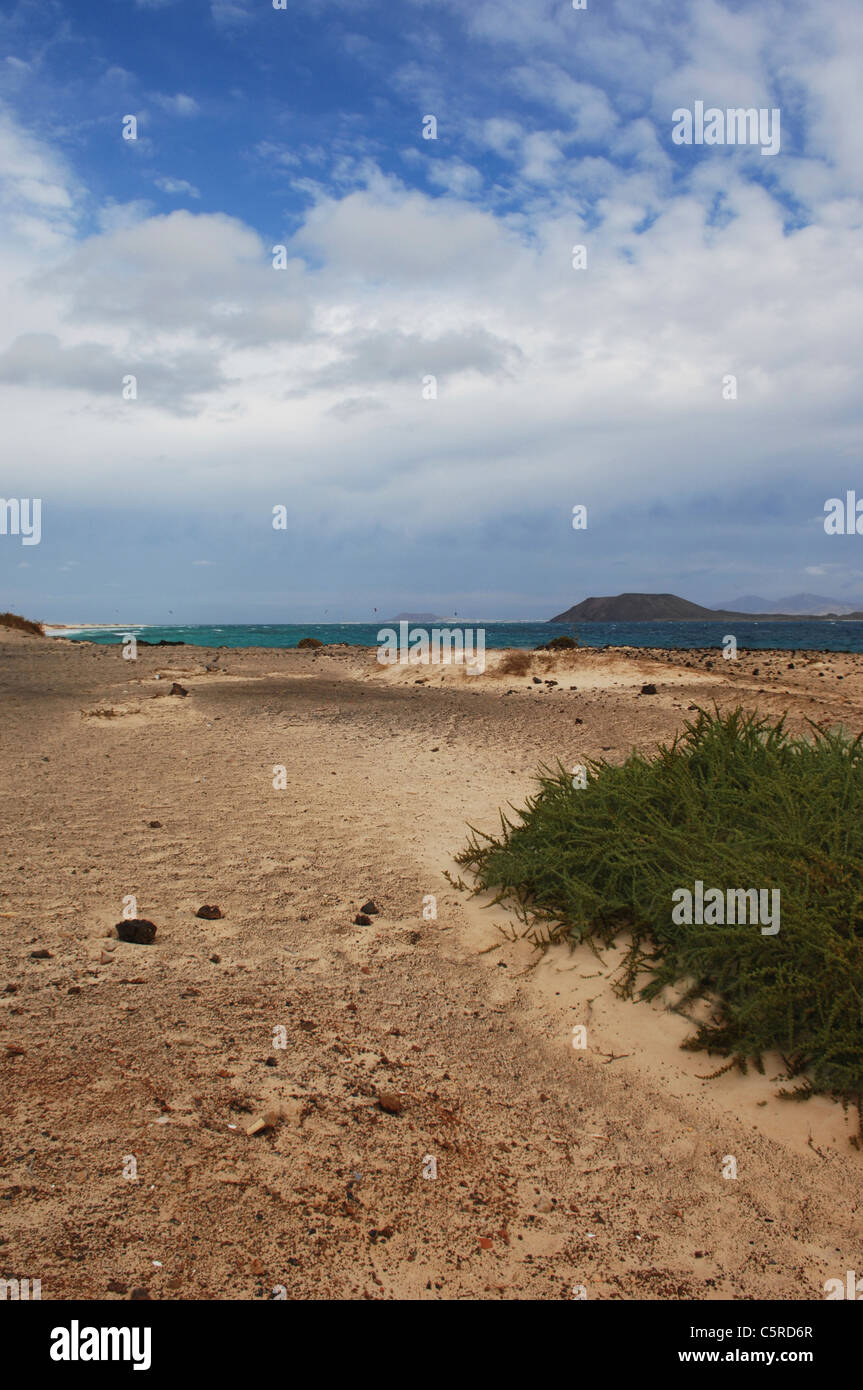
pixel 209 912
pixel 648 690
pixel 370 906
pixel 137 930
pixel 177 689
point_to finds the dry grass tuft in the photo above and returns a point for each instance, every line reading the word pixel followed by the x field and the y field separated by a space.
pixel 21 624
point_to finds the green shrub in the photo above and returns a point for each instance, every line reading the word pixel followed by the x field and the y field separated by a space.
pixel 735 801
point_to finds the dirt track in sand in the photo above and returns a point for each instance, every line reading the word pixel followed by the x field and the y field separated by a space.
pixel 556 1169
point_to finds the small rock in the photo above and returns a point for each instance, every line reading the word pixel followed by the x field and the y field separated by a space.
pixel 177 689
pixel 370 906
pixel 137 1295
pixel 485 1243
pixel 217 960
pixel 154 825
pixel 648 690
pixel 268 1120
pixel 390 1102
pixel 362 920
pixel 41 955
pixel 537 681
pixel 210 912
pixel 114 1286
pixel 137 930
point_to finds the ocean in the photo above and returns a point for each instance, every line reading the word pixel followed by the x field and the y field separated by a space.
pixel 825 634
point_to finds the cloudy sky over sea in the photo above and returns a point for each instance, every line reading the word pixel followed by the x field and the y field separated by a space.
pixel 408 258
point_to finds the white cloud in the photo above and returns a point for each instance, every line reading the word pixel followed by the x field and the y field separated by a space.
pixel 227 13
pixel 115 216
pixel 591 111
pixel 455 176
pixel 169 185
pixel 179 105
pixel 39 195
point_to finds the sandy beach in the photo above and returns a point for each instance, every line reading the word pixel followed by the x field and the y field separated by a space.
pixel 367 1050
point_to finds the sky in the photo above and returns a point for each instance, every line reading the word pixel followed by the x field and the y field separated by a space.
pixel 426 377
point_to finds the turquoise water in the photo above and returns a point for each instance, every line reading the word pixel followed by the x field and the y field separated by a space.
pixel 807 634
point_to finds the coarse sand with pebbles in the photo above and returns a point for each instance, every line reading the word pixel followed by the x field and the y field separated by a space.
pixel 283 1098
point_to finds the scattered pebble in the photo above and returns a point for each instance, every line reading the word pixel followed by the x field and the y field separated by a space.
pixel 268 1120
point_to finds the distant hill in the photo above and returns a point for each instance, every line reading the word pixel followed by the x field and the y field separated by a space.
pixel 657 608
pixel 810 605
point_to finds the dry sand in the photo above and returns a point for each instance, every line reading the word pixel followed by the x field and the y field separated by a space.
pixel 557 1169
